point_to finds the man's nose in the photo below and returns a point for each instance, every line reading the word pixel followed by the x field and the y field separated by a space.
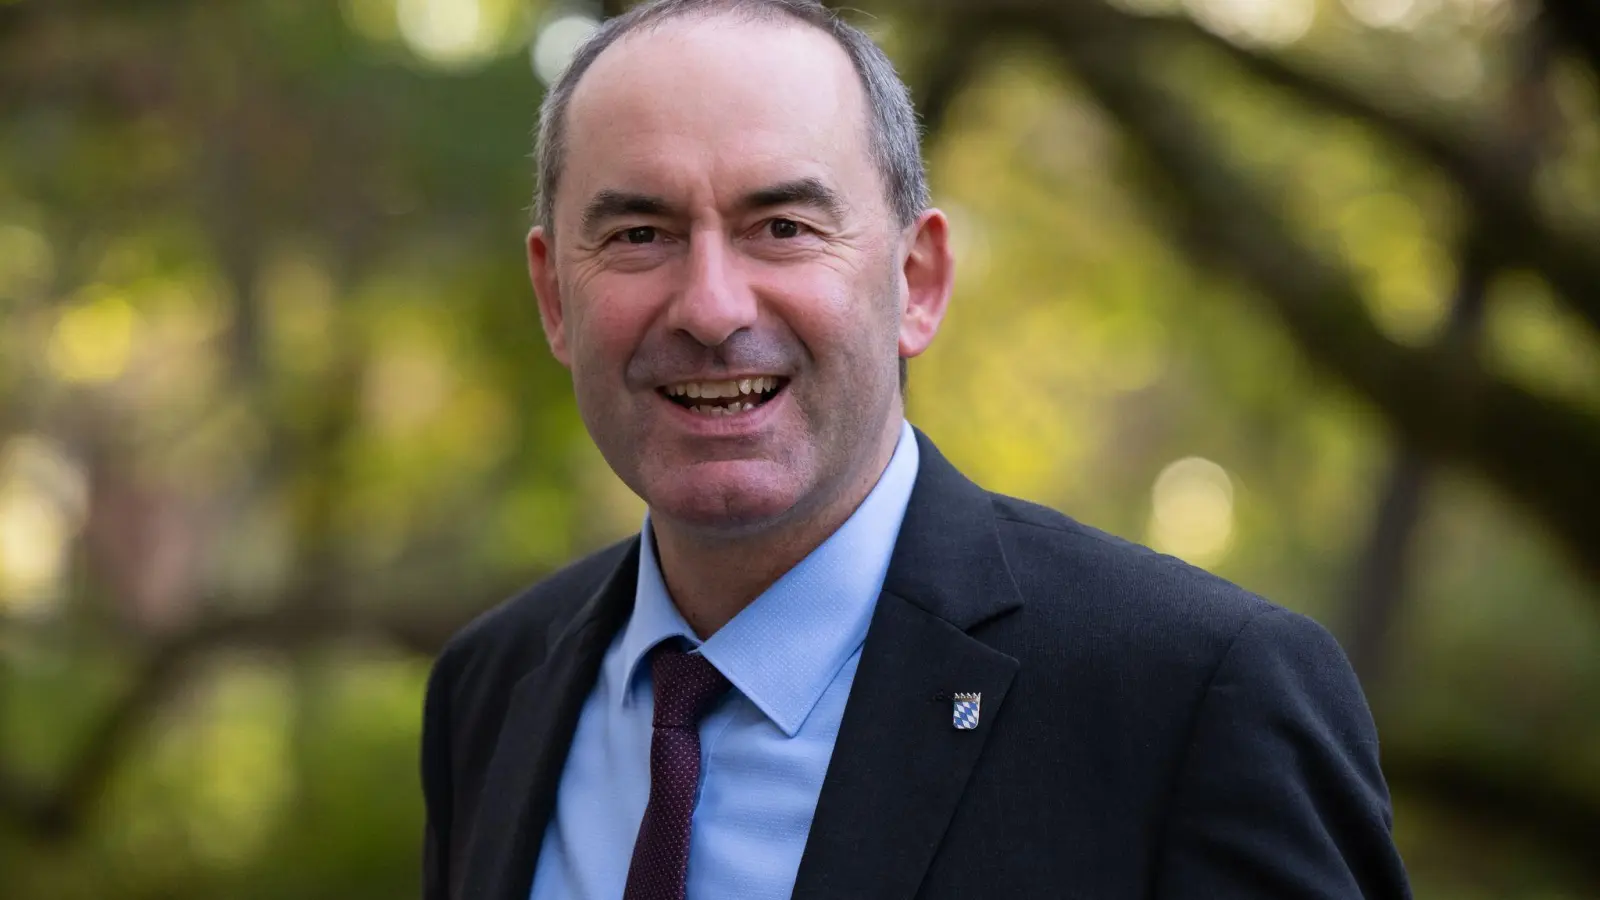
pixel 715 301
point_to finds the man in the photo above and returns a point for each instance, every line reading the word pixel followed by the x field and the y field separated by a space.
pixel 830 666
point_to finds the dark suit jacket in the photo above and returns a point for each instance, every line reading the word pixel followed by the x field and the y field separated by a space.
pixel 1146 730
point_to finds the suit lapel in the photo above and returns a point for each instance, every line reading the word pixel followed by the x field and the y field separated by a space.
pixel 519 792
pixel 899 765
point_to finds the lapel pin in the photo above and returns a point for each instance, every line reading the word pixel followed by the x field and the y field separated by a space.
pixel 965 716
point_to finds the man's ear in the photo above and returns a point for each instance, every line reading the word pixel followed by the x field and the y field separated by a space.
pixel 930 276
pixel 542 271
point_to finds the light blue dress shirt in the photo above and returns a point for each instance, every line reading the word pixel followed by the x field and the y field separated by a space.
pixel 791 656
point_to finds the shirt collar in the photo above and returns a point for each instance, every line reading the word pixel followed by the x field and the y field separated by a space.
pixel 784 649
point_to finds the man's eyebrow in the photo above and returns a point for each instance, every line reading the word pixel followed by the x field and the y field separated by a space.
pixel 609 204
pixel 799 192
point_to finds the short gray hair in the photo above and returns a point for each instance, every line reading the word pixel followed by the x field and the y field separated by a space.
pixel 893 132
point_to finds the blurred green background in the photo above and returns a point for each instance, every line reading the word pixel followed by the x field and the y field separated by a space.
pixel 1306 292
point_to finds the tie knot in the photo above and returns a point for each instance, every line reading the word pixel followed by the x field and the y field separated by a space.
pixel 686 684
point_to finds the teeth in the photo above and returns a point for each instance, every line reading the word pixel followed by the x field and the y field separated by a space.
pixel 731 409
pixel 712 390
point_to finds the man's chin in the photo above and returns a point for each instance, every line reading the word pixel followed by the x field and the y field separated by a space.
pixel 734 505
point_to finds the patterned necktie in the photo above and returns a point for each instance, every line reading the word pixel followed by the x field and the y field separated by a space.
pixel 686 686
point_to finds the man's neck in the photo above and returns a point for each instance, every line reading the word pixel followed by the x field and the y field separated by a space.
pixel 711 579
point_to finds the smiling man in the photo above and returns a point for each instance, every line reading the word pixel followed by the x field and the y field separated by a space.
pixel 829 666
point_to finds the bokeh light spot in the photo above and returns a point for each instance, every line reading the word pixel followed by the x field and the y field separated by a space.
pixel 93 339
pixel 1191 513
pixel 450 33
pixel 1391 243
pixel 1393 15
pixel 43 496
pixel 1263 22
pixel 557 43
pixel 406 389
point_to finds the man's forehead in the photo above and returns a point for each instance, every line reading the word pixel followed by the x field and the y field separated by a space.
pixel 747 101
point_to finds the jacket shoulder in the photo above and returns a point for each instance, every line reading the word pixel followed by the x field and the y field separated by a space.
pixel 1146 635
pixel 1081 576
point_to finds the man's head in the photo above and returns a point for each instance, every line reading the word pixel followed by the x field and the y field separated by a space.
pixel 731 190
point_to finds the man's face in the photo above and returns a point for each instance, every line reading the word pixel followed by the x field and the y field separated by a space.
pixel 725 279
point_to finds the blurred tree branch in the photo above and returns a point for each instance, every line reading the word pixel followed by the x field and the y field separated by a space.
pixel 1519 798
pixel 1540 450
pixel 1478 163
pixel 1578 24
pixel 1482 165
pixel 43 60
pixel 1381 577
pixel 168 665
pixel 948 65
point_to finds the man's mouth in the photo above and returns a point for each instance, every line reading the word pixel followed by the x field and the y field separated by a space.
pixel 725 398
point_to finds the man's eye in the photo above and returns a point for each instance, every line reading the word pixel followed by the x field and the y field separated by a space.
pixel 644 234
pixel 783 229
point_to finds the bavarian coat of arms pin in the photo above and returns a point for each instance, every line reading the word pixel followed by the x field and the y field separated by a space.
pixel 965 715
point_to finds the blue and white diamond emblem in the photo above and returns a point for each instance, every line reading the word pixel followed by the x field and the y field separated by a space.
pixel 965 717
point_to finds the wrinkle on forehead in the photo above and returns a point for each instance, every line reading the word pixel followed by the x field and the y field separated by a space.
pixel 718 106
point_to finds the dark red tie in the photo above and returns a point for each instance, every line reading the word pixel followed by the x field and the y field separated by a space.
pixel 686 686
